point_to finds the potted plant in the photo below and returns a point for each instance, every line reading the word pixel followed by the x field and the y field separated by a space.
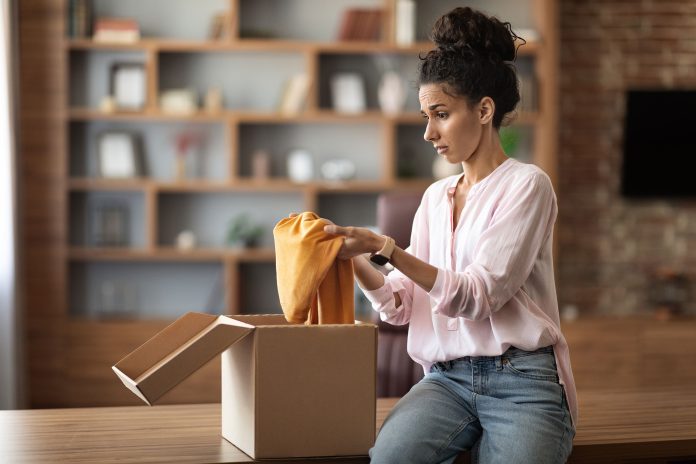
pixel 242 232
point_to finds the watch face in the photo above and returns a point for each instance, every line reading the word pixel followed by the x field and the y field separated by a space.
pixel 379 259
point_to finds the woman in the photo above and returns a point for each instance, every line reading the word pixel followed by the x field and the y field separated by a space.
pixel 476 284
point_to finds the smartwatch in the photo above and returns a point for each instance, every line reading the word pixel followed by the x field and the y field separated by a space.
pixel 383 256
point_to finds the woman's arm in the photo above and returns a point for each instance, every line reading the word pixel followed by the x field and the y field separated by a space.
pixel 359 241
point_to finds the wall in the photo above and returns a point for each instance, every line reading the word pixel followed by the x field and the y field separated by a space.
pixel 609 245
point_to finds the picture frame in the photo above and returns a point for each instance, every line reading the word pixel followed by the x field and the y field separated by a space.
pixel 109 224
pixel 128 85
pixel 118 155
pixel 348 93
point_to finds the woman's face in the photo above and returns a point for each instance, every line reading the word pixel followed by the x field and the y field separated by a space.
pixel 453 127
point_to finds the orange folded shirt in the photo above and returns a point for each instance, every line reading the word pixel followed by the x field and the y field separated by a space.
pixel 314 287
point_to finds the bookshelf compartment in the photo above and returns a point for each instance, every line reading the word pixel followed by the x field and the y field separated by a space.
pixel 247 80
pixel 361 143
pixel 107 219
pixel 414 156
pixel 208 215
pixel 310 20
pixel 520 13
pixel 144 290
pixel 91 74
pixel 207 158
pixel 370 67
pixel 192 20
pixel 258 289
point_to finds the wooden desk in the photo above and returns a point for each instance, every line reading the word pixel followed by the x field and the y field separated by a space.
pixel 649 426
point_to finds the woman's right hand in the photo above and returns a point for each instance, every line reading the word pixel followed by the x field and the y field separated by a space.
pixel 356 240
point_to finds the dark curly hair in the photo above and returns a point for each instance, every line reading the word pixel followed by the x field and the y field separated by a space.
pixel 474 58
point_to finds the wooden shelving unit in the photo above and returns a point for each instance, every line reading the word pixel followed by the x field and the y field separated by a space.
pixel 90 343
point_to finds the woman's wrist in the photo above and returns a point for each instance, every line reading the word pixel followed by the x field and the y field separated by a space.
pixel 378 243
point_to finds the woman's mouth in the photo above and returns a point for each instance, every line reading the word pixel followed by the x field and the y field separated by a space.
pixel 441 149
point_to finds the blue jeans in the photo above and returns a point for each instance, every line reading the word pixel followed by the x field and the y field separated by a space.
pixel 505 409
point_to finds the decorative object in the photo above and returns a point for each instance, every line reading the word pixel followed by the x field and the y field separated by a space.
pixel 443 168
pixel 260 165
pixel 219 26
pixel 300 166
pixel 179 101
pixel 669 292
pixel 294 95
pixel 570 313
pixel 107 104
pixel 186 162
pixel 116 299
pixel 348 93
pixel 405 24
pixel 117 154
pixel 391 93
pixel 186 240
pixel 339 169
pixel 213 100
pixel 128 85
pixel 109 224
pixel 242 232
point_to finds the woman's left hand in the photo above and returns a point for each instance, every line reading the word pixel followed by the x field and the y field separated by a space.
pixel 357 240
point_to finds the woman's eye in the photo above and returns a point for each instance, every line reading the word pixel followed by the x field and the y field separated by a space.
pixel 442 115
pixel 424 116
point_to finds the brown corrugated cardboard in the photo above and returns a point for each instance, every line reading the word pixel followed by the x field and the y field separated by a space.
pixel 287 390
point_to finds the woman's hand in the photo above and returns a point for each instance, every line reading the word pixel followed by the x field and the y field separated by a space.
pixel 357 240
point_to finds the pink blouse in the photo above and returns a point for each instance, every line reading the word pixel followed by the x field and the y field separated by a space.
pixel 495 283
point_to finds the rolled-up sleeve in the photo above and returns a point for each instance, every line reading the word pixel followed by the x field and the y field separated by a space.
pixel 383 301
pixel 504 256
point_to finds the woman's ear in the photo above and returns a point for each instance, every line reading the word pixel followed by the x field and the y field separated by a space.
pixel 486 110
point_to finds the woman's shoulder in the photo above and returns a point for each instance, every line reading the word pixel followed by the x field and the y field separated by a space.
pixel 527 175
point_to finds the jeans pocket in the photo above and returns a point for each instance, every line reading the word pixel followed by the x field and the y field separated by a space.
pixel 540 366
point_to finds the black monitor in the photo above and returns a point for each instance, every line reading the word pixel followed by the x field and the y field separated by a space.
pixel 659 144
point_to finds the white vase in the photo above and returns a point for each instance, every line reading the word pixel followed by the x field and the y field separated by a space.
pixel 391 93
pixel 300 166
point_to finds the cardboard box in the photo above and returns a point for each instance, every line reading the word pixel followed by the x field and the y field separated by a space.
pixel 287 390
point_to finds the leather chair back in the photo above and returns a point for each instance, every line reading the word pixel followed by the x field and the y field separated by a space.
pixel 396 372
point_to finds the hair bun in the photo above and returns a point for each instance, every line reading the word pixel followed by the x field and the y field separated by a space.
pixel 464 28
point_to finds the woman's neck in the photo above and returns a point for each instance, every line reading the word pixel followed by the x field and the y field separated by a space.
pixel 488 157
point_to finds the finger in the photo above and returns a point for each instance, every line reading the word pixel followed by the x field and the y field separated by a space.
pixel 292 215
pixel 336 230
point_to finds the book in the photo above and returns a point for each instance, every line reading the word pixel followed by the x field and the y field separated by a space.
pixel 116 30
pixel 360 24
pixel 79 18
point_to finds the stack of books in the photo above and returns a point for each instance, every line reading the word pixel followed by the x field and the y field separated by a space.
pixel 116 30
pixel 361 24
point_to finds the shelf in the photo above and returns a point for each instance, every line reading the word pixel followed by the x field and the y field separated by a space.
pixel 319 116
pixel 244 185
pixel 171 254
pixel 244 45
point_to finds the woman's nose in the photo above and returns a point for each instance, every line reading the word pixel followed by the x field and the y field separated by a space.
pixel 430 133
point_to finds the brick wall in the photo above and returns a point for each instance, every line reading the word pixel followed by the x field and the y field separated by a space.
pixel 609 245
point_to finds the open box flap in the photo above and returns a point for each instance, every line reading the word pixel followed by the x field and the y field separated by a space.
pixel 177 352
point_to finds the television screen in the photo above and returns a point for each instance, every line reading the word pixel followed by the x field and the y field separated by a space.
pixel 659 145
